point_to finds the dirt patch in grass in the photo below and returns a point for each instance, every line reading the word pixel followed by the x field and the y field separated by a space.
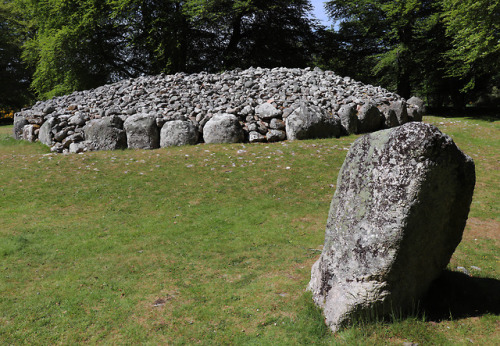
pixel 482 228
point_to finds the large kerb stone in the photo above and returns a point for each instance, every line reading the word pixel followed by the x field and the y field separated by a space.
pixel 399 211
pixel 106 134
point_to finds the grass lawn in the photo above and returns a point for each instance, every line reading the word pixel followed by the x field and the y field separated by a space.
pixel 211 244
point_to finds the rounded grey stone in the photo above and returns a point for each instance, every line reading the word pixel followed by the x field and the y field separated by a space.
pixel 177 133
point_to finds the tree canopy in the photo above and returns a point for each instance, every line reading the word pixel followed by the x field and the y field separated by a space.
pixel 447 51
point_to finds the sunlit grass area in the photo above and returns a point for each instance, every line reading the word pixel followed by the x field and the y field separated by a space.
pixel 206 243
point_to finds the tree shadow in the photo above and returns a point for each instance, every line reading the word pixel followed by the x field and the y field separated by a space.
pixel 456 295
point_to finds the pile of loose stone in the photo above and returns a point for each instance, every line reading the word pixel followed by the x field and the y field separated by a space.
pixel 254 105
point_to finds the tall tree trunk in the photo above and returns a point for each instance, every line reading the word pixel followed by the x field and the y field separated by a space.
pixel 230 51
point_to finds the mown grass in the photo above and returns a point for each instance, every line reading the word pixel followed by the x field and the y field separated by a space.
pixel 208 243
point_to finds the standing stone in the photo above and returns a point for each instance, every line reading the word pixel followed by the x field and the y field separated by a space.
pixel 45 135
pixel 418 106
pixel 400 109
pixel 402 200
pixel 106 134
pixel 142 132
pixel 370 118
pixel 19 123
pixel 348 119
pixel 223 128
pixel 309 121
pixel 177 133
pixel 390 117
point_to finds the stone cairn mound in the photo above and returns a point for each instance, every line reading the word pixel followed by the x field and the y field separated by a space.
pixel 254 105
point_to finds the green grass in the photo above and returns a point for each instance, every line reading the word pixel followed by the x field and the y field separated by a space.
pixel 207 243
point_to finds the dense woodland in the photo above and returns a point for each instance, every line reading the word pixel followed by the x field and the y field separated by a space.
pixel 445 51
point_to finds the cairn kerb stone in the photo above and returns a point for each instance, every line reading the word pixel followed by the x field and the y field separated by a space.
pixel 273 95
pixel 390 118
pixel 142 132
pixel 400 109
pixel 418 104
pixel 399 211
pixel 19 123
pixel 309 121
pixel 45 135
pixel 370 118
pixel 223 128
pixel 177 133
pixel 106 133
pixel 348 119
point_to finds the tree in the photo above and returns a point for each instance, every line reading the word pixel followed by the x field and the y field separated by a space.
pixel 242 33
pixel 14 89
pixel 474 27
pixel 388 35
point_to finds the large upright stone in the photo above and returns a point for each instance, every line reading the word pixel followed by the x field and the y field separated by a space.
pixel 142 132
pixel 348 119
pixel 223 128
pixel 309 121
pixel 105 134
pixel 402 200
pixel 19 123
pixel 417 108
pixel 45 135
pixel 177 133
pixel 370 118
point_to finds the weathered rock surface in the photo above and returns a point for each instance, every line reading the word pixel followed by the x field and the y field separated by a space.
pixel 417 108
pixel 348 119
pixel 399 211
pixel 223 128
pixel 177 133
pixel 19 123
pixel 311 122
pixel 142 132
pixel 261 100
pixel 106 133
pixel 370 118
pixel 45 135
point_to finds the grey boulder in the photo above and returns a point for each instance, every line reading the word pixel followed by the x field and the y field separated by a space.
pixel 45 136
pixel 348 119
pixel 29 132
pixel 399 108
pixel 223 128
pixel 399 211
pixel 19 123
pixel 267 111
pixel 142 132
pixel 370 118
pixel 177 133
pixel 105 134
pixel 418 106
pixel 309 121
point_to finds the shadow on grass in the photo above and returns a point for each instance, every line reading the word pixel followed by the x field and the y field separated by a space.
pixel 456 295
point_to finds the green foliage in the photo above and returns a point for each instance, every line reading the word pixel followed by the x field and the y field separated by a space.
pixel 14 76
pixel 436 49
pixel 76 45
pixel 474 27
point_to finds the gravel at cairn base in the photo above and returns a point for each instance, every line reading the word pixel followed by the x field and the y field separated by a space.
pixel 255 96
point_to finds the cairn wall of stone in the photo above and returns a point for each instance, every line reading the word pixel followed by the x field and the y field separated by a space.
pixel 252 105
